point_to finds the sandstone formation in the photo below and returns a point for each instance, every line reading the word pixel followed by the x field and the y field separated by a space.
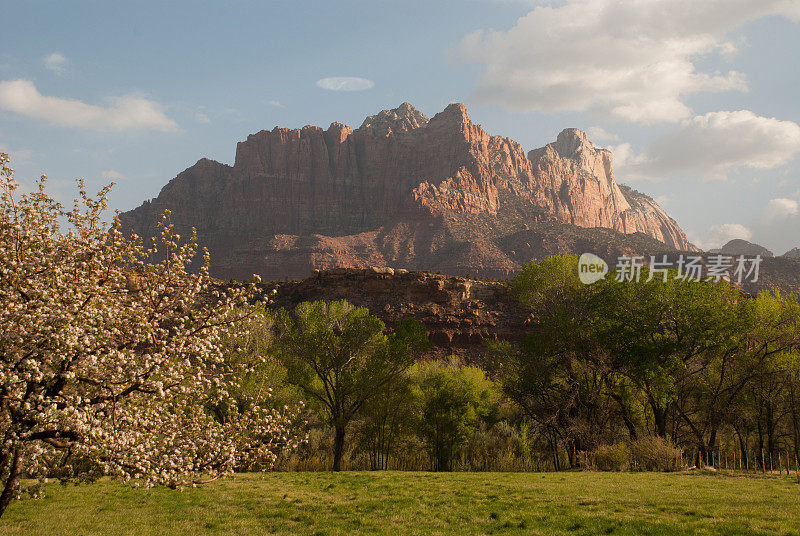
pixel 405 191
pixel 460 314
pixel 793 253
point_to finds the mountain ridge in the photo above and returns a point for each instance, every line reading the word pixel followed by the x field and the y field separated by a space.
pixel 403 190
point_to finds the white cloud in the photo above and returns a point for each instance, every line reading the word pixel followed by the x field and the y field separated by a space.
pixel 128 112
pixel 632 60
pixel 600 135
pixel 719 235
pixel 345 83
pixel 711 145
pixel 200 117
pixel 628 163
pixel 779 224
pixel 780 209
pixel 56 62
pixel 111 174
pixel 277 104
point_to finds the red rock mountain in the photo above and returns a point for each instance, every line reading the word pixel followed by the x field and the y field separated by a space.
pixel 406 191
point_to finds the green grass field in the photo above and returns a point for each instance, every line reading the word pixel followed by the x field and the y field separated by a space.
pixel 422 503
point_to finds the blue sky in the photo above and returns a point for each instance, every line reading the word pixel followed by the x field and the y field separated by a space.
pixel 697 100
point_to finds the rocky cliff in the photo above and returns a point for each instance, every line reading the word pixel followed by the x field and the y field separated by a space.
pixel 403 190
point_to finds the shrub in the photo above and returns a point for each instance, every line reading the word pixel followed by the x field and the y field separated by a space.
pixel 494 448
pixel 653 453
pixel 614 457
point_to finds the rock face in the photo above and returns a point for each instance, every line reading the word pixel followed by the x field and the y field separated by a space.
pixel 460 314
pixel 576 183
pixel 793 253
pixel 404 191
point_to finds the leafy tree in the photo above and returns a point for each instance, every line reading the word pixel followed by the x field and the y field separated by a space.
pixel 387 418
pixel 653 329
pixel 108 358
pixel 560 372
pixel 340 357
pixel 756 333
pixel 450 399
pixel 689 352
pixel 792 399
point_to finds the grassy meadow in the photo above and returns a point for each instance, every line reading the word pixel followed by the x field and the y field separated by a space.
pixel 422 503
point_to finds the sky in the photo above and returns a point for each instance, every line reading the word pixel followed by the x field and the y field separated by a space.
pixel 697 100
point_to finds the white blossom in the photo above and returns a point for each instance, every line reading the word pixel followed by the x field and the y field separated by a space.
pixel 111 350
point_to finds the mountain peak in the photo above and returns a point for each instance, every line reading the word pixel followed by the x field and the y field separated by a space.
pixel 571 141
pixel 401 119
pixel 455 112
pixel 406 109
pixel 406 192
pixel 793 253
pixel 738 246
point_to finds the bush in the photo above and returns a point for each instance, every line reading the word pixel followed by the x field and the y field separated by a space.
pixel 496 448
pixel 652 453
pixel 612 457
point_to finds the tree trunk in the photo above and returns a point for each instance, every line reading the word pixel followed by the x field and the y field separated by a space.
pixel 770 425
pixel 712 443
pixel 624 413
pixel 338 447
pixel 795 422
pixel 660 418
pixel 554 448
pixel 702 453
pixel 742 449
pixel 442 461
pixel 10 485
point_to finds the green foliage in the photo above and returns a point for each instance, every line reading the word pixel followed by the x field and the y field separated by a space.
pixel 250 347
pixel 548 282
pixel 340 357
pixel 661 356
pixel 451 399
pixel 497 447
pixel 388 418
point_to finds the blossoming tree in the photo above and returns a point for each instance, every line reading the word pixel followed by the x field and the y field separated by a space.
pixel 109 353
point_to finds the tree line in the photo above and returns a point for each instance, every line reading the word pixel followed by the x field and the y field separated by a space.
pixel 687 371
pixel 701 364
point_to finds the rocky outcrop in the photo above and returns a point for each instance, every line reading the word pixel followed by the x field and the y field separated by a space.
pixel 460 314
pixel 402 190
pixel 402 119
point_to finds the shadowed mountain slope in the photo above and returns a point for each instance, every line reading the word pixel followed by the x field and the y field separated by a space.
pixel 406 191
